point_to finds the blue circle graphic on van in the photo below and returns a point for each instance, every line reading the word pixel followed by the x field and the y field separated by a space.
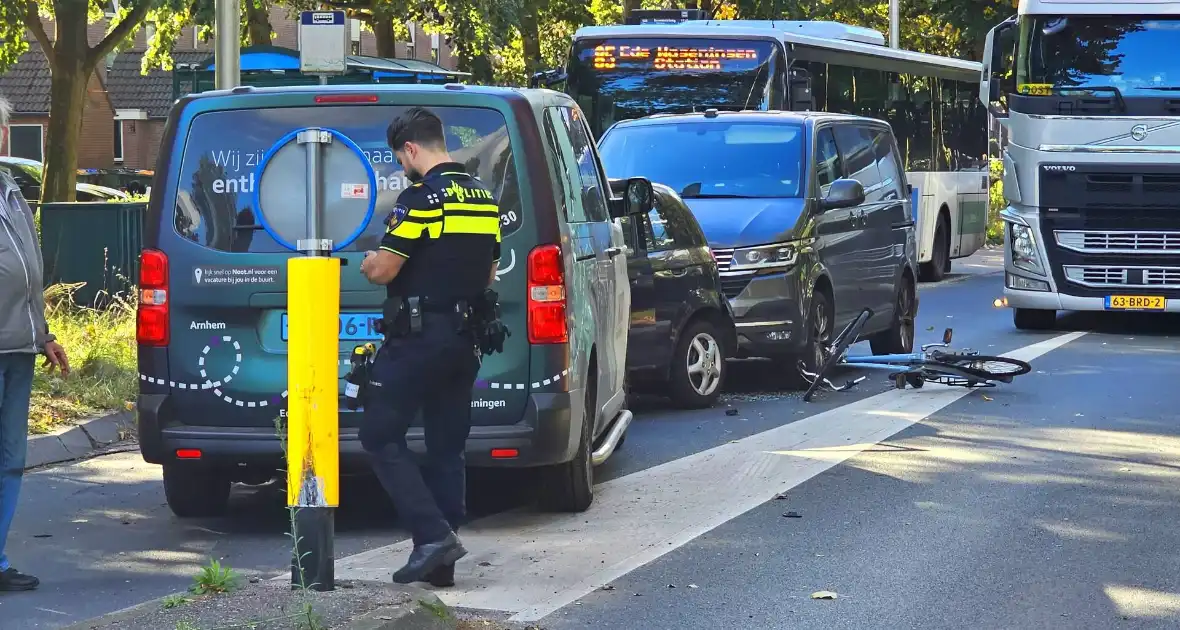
pixel 348 190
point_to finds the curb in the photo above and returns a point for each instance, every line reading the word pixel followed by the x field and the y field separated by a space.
pixel 423 611
pixel 80 440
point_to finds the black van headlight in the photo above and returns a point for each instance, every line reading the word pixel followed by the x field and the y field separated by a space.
pixel 776 256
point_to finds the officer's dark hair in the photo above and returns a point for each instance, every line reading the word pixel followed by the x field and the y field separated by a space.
pixel 418 125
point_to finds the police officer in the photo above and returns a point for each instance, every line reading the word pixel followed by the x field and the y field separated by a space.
pixel 438 255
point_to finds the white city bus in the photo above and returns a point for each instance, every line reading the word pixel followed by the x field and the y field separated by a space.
pixel 623 72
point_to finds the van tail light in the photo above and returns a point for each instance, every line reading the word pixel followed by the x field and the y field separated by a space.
pixel 152 321
pixel 546 307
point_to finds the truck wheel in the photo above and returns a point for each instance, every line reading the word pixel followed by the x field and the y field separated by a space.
pixel 1034 318
pixel 940 256
pixel 899 339
pixel 698 366
pixel 195 491
pixel 569 486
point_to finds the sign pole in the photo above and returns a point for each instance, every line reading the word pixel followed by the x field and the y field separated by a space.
pixel 313 459
pixel 227 54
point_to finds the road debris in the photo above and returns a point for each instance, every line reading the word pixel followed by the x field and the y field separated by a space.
pixel 731 412
pixel 780 496
pixel 823 595
pixel 793 515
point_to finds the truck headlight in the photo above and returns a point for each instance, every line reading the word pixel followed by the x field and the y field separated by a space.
pixel 1023 244
pixel 776 256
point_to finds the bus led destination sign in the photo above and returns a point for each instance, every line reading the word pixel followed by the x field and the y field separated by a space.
pixel 608 56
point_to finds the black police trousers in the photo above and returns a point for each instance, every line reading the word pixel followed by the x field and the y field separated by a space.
pixel 431 372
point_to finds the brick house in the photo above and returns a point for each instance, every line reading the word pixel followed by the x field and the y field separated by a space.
pixel 26 86
pixel 125 110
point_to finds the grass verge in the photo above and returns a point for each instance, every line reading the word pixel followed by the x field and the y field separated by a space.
pixel 101 347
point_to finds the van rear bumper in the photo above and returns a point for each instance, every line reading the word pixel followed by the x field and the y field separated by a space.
pixel 546 435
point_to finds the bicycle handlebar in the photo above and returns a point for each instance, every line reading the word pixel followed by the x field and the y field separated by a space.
pixel 811 376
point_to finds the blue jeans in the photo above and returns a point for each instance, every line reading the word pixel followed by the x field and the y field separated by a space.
pixel 16 386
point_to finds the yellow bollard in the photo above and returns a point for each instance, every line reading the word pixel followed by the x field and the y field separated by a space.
pixel 313 432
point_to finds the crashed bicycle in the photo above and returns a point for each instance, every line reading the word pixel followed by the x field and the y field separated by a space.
pixel 934 363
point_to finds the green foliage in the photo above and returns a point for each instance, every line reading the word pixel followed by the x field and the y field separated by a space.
pixel 213 579
pixel 996 203
pixel 101 347
pixel 174 601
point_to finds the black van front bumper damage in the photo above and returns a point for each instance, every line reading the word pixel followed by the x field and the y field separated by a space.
pixel 547 434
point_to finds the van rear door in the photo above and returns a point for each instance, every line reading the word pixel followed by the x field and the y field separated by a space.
pixel 227 353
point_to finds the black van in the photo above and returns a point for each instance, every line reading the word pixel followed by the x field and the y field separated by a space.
pixel 212 321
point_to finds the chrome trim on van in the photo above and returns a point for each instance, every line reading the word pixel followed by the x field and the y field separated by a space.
pixel 1091 148
pixel 784 322
pixel 613 437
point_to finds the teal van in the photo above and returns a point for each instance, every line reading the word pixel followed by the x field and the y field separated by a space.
pixel 212 321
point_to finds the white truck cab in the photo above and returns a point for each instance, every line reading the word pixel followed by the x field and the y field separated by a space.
pixel 1089 93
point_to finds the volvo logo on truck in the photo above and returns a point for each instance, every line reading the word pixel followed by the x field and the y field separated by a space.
pixel 1059 168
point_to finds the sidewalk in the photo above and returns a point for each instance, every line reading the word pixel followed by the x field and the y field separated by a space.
pixel 80 440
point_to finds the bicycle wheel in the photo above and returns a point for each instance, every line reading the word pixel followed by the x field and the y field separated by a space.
pixel 947 374
pixel 837 349
pixel 993 367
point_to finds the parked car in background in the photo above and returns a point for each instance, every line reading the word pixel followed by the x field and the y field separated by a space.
pixel 29 175
pixel 681 324
pixel 132 181
pixel 808 214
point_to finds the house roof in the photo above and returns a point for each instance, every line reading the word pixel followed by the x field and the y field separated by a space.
pixel 129 89
pixel 26 84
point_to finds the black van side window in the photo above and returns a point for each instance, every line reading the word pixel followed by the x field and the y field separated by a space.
pixel 827 160
pixel 856 149
pixel 889 163
pixel 218 171
pixel 593 186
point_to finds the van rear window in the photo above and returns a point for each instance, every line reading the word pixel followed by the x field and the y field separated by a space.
pixel 219 168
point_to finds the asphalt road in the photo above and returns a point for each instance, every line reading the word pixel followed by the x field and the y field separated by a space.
pixel 1038 504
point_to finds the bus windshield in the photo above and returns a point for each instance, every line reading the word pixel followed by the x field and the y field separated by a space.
pixel 1128 53
pixel 616 79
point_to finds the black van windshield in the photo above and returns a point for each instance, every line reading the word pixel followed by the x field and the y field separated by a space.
pixel 219 169
pixel 709 158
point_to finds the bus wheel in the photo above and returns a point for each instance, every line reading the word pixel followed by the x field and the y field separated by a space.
pixel 940 257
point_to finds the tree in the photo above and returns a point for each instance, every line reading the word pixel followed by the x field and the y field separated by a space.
pixel 72 61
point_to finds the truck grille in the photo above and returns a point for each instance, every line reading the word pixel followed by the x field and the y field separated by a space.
pixel 1144 277
pixel 1089 242
pixel 732 282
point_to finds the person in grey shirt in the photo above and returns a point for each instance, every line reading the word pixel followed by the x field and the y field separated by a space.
pixel 24 334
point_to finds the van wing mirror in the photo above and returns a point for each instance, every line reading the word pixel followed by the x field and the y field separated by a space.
pixel 843 193
pixel 635 197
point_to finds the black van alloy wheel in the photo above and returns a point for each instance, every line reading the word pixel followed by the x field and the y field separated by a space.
pixel 569 486
pixel 697 373
pixel 899 339
pixel 819 332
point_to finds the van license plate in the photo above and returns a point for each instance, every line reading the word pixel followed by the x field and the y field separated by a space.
pixel 353 326
pixel 1135 303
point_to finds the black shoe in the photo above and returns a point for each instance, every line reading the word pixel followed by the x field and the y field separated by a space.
pixel 441 577
pixel 424 559
pixel 13 580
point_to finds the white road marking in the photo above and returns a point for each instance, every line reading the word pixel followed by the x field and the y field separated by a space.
pixel 535 564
